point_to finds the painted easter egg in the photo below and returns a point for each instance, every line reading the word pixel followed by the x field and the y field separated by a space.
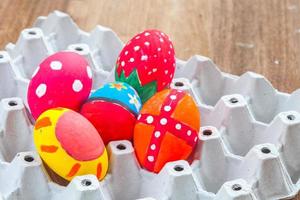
pixel 167 129
pixel 113 109
pixel 63 79
pixel 69 144
pixel 147 63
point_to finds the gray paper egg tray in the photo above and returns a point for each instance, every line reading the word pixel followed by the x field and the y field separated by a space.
pixel 250 131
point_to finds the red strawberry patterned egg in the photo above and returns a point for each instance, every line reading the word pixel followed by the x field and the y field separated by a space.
pixel 167 129
pixel 63 79
pixel 147 63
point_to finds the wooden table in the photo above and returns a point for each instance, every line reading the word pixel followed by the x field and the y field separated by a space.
pixel 239 35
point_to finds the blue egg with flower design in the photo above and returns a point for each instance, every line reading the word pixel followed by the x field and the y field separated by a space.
pixel 113 109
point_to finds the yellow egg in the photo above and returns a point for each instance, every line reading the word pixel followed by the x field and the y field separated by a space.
pixel 69 144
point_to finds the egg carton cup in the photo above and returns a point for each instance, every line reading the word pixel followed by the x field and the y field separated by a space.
pixel 249 142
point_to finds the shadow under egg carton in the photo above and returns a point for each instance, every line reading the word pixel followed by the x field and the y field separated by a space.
pixel 250 130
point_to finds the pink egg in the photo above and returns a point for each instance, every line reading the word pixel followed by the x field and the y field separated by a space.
pixel 63 79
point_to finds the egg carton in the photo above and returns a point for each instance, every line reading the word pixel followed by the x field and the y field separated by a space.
pixel 249 143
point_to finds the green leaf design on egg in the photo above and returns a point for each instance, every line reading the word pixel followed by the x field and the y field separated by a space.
pixel 145 91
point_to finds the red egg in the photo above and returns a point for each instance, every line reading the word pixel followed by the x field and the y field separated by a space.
pixel 147 63
pixel 113 121
pixel 63 79
pixel 112 109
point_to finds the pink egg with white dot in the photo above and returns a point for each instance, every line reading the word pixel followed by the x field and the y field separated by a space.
pixel 63 79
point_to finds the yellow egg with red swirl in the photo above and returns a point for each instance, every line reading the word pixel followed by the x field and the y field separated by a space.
pixel 69 144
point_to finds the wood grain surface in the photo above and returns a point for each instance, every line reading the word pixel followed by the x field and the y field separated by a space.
pixel 239 35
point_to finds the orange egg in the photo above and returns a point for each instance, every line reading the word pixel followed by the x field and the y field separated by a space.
pixel 167 129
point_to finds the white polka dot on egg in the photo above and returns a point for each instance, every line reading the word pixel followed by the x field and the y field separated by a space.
pixel 56 65
pixel 122 63
pixel 77 86
pixel 149 119
pixel 167 108
pixel 41 90
pixel 131 59
pixel 147 43
pixel 189 132
pixel 144 57
pixel 136 48
pixel 157 134
pixel 178 126
pixel 163 121
pixel 150 158
pixel 153 147
pixel 173 97
pixel 147 34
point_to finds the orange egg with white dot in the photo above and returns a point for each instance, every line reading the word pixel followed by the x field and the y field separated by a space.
pixel 166 129
pixel 69 144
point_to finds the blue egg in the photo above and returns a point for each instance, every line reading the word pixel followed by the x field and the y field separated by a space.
pixel 121 93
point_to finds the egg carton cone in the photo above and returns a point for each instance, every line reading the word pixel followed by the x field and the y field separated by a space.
pixel 249 143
